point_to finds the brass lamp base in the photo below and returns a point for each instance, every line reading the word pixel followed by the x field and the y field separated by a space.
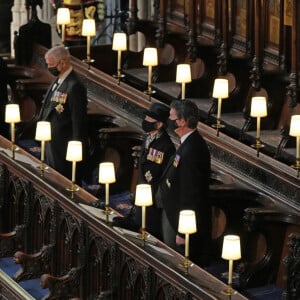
pixel 218 126
pixel 149 92
pixel 229 291
pixel 13 149
pixel 186 265
pixel 296 166
pixel 42 167
pixel 88 61
pixel 119 77
pixel 73 188
pixel 143 236
pixel 258 145
pixel 107 212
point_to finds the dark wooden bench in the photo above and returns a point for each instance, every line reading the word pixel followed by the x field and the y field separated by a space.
pixel 277 139
pixel 263 267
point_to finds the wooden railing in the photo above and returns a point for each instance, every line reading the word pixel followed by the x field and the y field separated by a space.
pixel 110 262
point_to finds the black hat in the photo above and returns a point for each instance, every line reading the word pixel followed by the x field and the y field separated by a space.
pixel 159 112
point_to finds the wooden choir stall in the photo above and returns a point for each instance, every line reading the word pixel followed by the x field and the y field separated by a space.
pixel 58 244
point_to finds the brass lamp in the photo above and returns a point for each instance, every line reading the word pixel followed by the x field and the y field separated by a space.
pixel 258 110
pixel 183 76
pixel 107 176
pixel 63 18
pixel 88 30
pixel 74 154
pixel 150 60
pixel 295 131
pixel 43 134
pixel 220 91
pixel 143 198
pixel 231 251
pixel 12 116
pixel 187 225
pixel 119 44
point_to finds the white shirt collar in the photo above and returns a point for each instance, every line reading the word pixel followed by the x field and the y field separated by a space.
pixel 184 137
pixel 64 75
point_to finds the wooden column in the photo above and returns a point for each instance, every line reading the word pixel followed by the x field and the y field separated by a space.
pixel 133 16
pixel 161 30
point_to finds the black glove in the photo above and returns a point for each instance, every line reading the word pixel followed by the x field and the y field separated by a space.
pixel 99 204
pixel 126 223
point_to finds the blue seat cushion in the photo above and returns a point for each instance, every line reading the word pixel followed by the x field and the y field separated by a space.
pixel 266 292
pixel 219 269
pixel 32 146
pixel 8 266
pixel 33 287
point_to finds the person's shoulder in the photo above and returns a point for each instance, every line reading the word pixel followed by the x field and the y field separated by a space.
pixel 165 137
pixel 74 80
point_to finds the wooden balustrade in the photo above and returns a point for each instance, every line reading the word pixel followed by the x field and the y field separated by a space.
pixel 113 263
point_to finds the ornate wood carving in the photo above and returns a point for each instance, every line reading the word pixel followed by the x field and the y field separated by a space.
pixel 292 262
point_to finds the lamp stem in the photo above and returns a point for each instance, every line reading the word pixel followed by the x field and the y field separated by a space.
pixel 149 78
pixel 143 217
pixel 119 63
pixel 73 171
pixel 42 151
pixel 298 148
pixel 88 48
pixel 63 34
pixel 107 201
pixel 107 195
pixel 183 90
pixel 230 272
pixel 219 108
pixel 187 248
pixel 258 129
pixel 12 129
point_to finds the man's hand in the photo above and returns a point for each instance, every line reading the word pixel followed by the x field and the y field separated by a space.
pixel 179 240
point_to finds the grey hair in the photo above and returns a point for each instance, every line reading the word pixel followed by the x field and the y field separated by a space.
pixel 59 52
pixel 187 110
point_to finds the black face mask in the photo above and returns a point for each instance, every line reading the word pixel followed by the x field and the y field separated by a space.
pixel 149 126
pixel 54 71
pixel 172 125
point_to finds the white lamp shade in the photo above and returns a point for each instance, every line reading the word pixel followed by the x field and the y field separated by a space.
pixel 74 151
pixel 143 195
pixel 183 73
pixel 231 247
pixel 295 125
pixel 258 107
pixel 88 27
pixel 107 172
pixel 119 41
pixel 63 16
pixel 220 89
pixel 150 57
pixel 43 131
pixel 187 222
pixel 12 113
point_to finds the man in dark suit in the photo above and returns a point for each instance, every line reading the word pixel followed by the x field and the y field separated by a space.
pixel 155 154
pixel 185 183
pixel 65 107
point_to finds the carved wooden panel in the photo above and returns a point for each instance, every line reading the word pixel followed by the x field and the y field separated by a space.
pixel 273 32
pixel 177 12
pixel 240 22
pixel 208 16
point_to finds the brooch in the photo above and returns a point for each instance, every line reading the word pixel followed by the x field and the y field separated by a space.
pixel 59 108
